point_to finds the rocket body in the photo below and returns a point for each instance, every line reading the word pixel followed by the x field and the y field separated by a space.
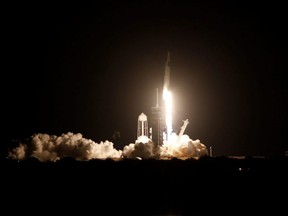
pixel 167 99
pixel 167 73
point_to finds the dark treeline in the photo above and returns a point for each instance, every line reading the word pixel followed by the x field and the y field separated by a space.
pixel 208 184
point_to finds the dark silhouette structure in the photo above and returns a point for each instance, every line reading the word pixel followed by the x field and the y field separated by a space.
pixel 146 187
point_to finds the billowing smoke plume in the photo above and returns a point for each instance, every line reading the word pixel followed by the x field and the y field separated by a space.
pixel 141 149
pixel 52 148
pixel 183 146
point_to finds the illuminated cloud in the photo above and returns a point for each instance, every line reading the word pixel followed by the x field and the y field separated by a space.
pixel 182 147
pixel 139 150
pixel 52 148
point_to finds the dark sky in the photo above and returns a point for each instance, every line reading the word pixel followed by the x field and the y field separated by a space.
pixel 93 68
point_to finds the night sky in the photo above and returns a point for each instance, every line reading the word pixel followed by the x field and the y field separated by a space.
pixel 93 68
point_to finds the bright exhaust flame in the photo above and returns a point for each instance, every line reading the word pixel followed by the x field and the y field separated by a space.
pixel 167 97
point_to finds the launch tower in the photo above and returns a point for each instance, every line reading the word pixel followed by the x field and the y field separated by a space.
pixel 157 125
pixel 158 112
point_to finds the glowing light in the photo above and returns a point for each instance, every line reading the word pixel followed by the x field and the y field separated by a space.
pixel 167 97
pixel 142 139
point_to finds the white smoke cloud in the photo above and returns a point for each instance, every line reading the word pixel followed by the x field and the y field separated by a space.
pixel 139 150
pixel 182 147
pixel 52 148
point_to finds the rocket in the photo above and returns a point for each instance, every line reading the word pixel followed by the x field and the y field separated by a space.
pixel 167 73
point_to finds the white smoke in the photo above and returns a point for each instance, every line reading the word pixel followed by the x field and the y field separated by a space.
pixel 139 150
pixel 182 147
pixel 52 148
